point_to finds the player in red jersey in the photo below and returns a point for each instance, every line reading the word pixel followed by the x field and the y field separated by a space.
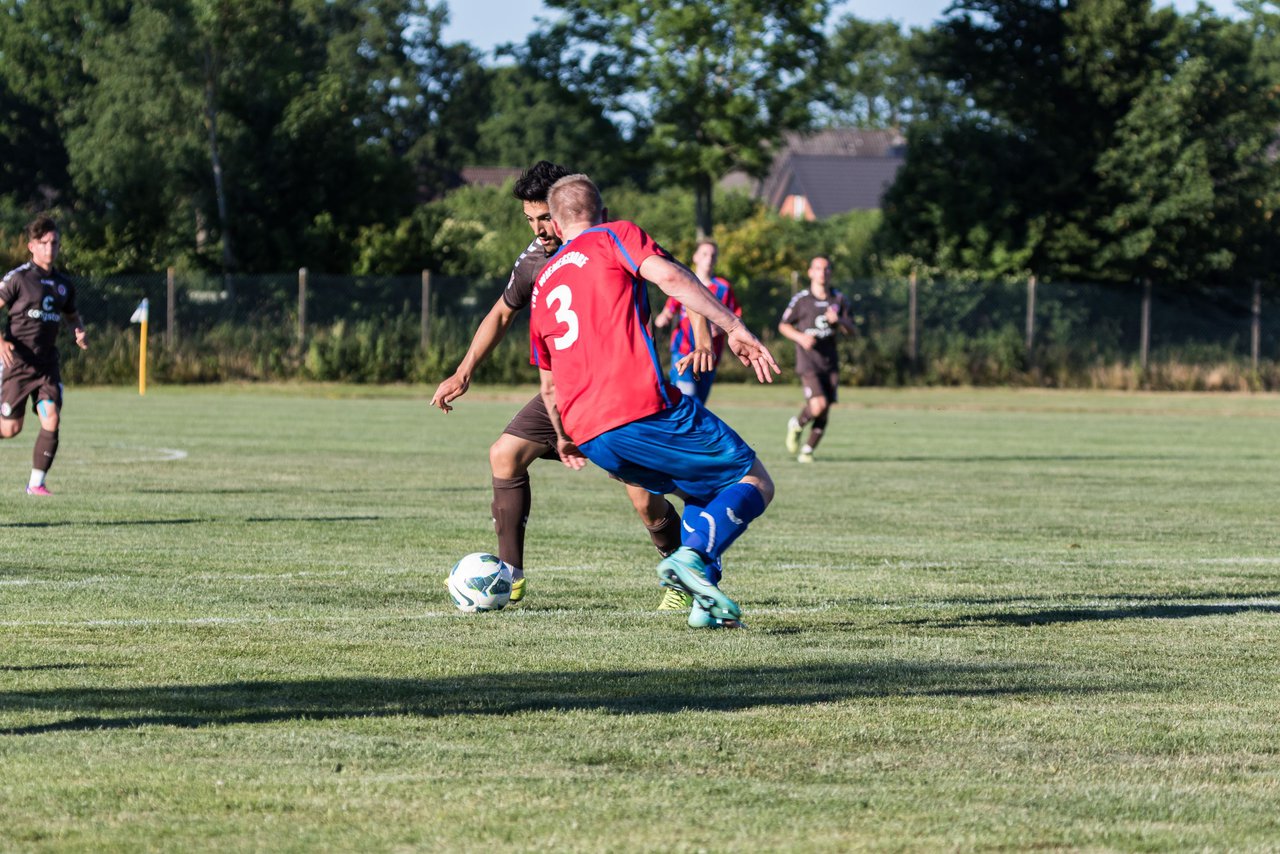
pixel 609 401
pixel 39 300
pixel 530 436
pixel 704 266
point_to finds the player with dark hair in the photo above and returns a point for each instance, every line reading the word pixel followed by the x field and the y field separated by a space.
pixel 704 267
pixel 530 435
pixel 811 320
pixel 39 300
pixel 610 403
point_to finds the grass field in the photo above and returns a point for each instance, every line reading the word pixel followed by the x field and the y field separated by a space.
pixel 986 620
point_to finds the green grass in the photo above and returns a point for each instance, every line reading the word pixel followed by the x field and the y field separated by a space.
pixel 985 620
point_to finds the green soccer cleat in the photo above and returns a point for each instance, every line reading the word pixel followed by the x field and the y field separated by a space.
pixel 700 618
pixel 793 435
pixel 675 600
pixel 517 589
pixel 686 570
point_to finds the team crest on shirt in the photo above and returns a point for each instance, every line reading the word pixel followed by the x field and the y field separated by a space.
pixel 62 290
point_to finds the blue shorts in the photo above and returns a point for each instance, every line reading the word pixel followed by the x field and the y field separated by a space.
pixel 685 448
pixel 683 380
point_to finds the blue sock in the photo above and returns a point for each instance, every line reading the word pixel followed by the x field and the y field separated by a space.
pixel 712 529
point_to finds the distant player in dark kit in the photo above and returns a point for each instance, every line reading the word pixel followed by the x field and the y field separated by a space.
pixel 530 435
pixel 682 343
pixel 39 300
pixel 812 319
pixel 610 402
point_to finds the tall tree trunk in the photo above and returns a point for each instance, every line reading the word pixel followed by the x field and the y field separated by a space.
pixel 211 125
pixel 702 206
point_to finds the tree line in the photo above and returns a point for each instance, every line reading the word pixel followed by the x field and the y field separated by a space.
pixel 1102 140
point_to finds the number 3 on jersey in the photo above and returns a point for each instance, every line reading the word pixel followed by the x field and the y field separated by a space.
pixel 560 298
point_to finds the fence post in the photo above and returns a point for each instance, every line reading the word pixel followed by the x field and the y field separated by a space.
pixel 426 309
pixel 302 305
pixel 170 313
pixel 1144 342
pixel 1031 316
pixel 911 317
pixel 1255 331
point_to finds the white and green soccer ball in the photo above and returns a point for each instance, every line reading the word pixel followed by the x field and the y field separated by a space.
pixel 480 582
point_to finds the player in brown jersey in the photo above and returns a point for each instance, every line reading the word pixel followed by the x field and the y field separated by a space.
pixel 812 320
pixel 530 435
pixel 39 300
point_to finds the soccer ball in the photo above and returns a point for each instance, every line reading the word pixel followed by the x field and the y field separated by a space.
pixel 480 582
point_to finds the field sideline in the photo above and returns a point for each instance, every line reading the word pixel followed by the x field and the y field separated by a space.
pixel 984 620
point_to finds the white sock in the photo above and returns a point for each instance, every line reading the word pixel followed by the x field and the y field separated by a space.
pixel 805 449
pixel 516 572
pixel 37 478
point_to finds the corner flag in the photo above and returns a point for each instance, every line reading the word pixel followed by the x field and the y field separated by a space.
pixel 140 315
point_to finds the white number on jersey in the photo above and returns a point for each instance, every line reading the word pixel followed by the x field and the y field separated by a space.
pixel 560 297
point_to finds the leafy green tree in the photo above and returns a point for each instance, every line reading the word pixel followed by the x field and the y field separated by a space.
pixel 873 77
pixel 708 85
pixel 531 118
pixel 1103 139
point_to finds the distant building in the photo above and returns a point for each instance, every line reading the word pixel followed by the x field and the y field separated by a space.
pixel 488 176
pixel 830 172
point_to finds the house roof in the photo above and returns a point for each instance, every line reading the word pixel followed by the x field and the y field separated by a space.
pixel 489 176
pixel 837 170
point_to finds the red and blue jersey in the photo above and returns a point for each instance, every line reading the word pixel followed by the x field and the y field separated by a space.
pixel 682 331
pixel 588 325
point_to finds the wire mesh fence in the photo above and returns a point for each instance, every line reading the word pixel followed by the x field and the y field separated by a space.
pixel 416 328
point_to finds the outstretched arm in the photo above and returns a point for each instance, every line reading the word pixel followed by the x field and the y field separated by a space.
pixel 677 280
pixel 490 332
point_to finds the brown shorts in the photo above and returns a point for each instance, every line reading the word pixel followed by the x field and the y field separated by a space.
pixel 21 381
pixel 825 383
pixel 534 424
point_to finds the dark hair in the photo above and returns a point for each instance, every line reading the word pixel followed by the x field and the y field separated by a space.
pixel 40 226
pixel 536 181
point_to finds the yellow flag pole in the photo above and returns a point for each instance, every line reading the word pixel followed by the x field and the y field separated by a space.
pixel 142 360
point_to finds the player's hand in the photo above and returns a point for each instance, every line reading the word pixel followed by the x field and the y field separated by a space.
pixel 82 340
pixel 570 455
pixel 701 360
pixel 752 353
pixel 449 390
pixel 806 341
pixel 6 353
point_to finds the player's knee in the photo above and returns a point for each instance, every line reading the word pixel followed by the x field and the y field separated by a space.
pixel 10 428
pixel 817 405
pixel 760 479
pixel 504 462
pixel 652 508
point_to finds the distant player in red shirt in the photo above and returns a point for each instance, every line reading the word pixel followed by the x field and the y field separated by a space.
pixel 607 397
pixel 39 300
pixel 704 266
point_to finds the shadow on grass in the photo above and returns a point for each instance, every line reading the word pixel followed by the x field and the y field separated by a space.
pixel 985 459
pixel 1050 616
pixel 612 691
pixel 124 523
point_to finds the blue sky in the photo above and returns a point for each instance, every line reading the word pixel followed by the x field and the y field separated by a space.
pixel 486 23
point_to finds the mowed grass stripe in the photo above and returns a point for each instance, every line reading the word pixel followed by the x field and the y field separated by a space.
pixel 1004 619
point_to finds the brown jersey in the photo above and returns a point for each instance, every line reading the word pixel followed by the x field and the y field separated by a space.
pixel 37 300
pixel 523 275
pixel 808 314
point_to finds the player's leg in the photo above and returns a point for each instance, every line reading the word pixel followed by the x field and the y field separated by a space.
pixel 46 447
pixel 820 404
pixel 509 459
pixel 795 426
